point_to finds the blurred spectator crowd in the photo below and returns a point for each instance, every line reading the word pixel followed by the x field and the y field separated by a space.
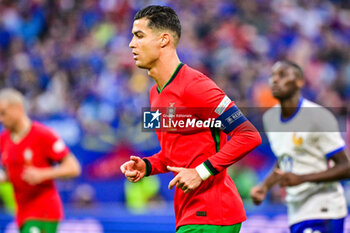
pixel 71 58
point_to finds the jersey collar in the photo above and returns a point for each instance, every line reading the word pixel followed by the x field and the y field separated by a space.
pixel 178 68
pixel 285 120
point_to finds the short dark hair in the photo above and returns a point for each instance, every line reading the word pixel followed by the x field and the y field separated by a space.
pixel 161 17
pixel 296 67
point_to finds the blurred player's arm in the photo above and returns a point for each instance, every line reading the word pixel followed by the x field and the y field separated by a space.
pixel 340 171
pixel 3 175
pixel 69 167
pixel 332 144
pixel 259 192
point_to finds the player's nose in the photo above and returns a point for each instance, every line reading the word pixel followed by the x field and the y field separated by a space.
pixel 132 44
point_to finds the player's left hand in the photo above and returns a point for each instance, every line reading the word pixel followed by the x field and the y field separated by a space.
pixel 186 179
pixel 33 175
pixel 290 179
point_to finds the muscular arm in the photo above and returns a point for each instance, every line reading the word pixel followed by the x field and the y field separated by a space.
pixel 271 179
pixel 259 192
pixel 341 170
pixel 68 168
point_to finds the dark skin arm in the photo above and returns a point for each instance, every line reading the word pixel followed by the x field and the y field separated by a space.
pixel 340 171
pixel 258 193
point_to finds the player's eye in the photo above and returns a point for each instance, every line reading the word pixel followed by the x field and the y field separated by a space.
pixel 139 35
pixel 282 74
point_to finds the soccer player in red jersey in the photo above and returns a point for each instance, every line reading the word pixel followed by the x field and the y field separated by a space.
pixel 29 151
pixel 206 199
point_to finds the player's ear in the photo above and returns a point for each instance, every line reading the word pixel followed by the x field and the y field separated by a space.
pixel 164 39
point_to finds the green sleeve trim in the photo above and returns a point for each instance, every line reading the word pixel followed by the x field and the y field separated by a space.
pixel 210 167
pixel 215 133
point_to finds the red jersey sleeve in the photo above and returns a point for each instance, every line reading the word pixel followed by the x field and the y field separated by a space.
pixel 212 102
pixel 244 139
pixel 203 95
pixel 54 146
pixel 154 164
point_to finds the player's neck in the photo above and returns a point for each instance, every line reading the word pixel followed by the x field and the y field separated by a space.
pixel 290 105
pixel 164 68
pixel 21 130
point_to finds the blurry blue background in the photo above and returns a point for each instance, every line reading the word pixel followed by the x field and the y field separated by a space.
pixel 71 60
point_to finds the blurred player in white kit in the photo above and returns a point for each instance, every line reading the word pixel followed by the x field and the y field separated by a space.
pixel 305 138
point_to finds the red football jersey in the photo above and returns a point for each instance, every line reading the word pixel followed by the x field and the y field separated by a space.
pixel 216 201
pixel 40 148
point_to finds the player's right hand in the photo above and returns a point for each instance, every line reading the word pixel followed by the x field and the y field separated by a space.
pixel 134 170
pixel 258 194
